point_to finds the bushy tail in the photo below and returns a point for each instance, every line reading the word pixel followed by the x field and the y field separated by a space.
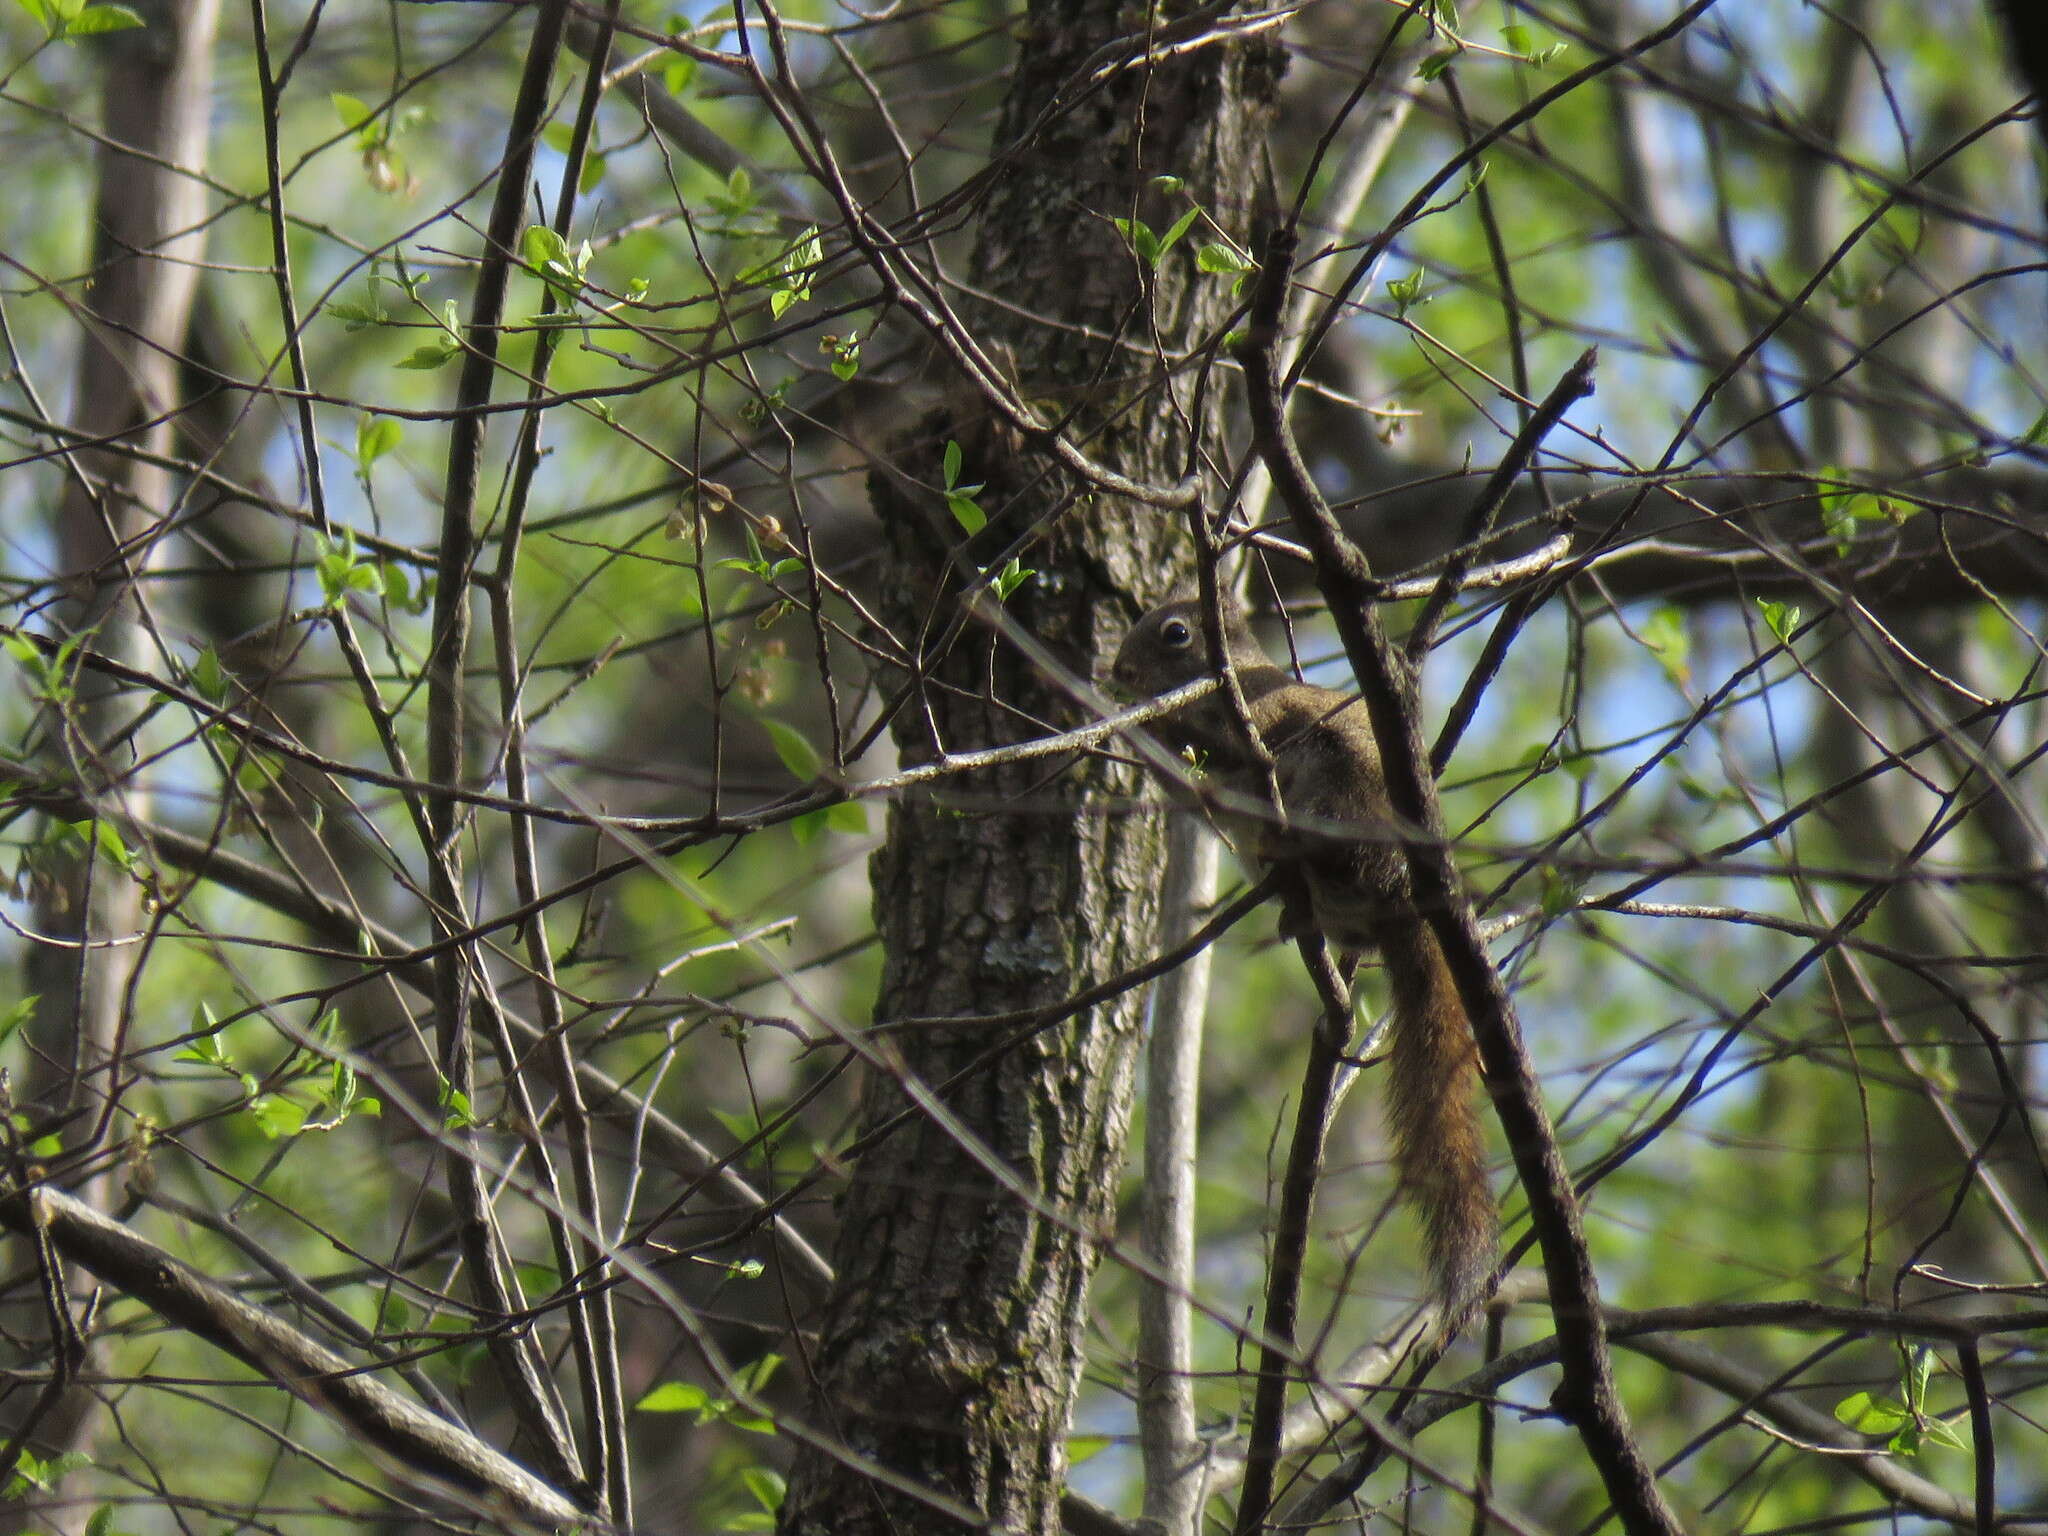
pixel 1439 1143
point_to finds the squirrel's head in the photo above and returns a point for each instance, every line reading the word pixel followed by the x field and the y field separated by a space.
pixel 1167 648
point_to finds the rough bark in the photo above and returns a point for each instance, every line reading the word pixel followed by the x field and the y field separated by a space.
pixel 951 1349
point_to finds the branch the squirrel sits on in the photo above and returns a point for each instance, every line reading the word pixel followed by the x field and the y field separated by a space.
pixel 1333 825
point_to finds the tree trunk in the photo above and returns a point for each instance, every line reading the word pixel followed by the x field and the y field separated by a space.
pixel 952 1345
pixel 149 234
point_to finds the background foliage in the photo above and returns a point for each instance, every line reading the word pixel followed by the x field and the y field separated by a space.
pixel 1752 796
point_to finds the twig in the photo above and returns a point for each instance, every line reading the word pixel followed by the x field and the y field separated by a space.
pixel 1576 384
pixel 1982 1442
pixel 1290 1235
pixel 520 1366
pixel 593 1327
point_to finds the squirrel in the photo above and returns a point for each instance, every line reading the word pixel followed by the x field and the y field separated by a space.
pixel 1335 826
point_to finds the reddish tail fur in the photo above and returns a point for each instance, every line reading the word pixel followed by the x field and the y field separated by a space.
pixel 1439 1146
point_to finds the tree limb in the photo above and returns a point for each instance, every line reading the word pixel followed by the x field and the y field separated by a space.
pixel 424 1446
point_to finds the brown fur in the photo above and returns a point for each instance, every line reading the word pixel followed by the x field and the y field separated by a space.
pixel 1334 823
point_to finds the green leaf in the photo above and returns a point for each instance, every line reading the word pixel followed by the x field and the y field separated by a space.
pixel 767 1487
pixel 1081 1448
pixel 1860 508
pixel 1138 235
pixel 1780 618
pixel 1843 507
pixel 1437 63
pixel 358 316
pixel 677 74
pixel 1179 227
pixel 375 437
pixel 674 1397
pixel 16 1016
pixel 277 1117
pixel 744 1128
pixel 1913 1379
pixel 1869 1415
pixel 206 1049
pixel 41 13
pixel 63 1466
pixel 1941 1432
pixel 1515 38
pixel 1665 634
pixel 342 571
pixel 208 678
pixel 103 18
pixel 738 197
pixel 801 261
pixel 1012 576
pixel 104 838
pixel 848 816
pixel 426 359
pixel 950 464
pixel 27 1470
pixel 967 513
pixel 352 110
pixel 1406 292
pixel 457 1114
pixel 1220 258
pixel 540 245
pixel 1560 891
pixel 755 1378
pixel 795 750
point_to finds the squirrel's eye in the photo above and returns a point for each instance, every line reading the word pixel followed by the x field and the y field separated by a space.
pixel 1176 633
